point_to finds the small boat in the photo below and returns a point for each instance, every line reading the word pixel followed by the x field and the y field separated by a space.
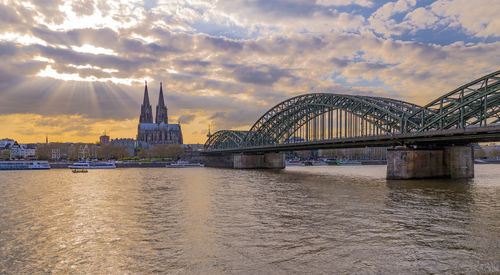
pixel 306 163
pixel 346 163
pixel 24 165
pixel 184 164
pixel 82 170
pixel 92 165
pixel 294 163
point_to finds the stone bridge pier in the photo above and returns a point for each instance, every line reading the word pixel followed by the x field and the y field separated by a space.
pixel 246 161
pixel 455 162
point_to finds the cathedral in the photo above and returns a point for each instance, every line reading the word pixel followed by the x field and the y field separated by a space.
pixel 159 132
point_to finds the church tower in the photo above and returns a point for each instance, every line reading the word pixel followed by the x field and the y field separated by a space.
pixel 161 109
pixel 146 111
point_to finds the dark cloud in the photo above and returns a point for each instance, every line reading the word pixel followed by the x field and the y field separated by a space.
pixel 55 97
pixel 123 64
pixel 152 49
pixel 9 15
pixel 220 44
pixel 186 118
pixel 8 49
pixel 274 8
pixel 236 118
pixel 82 7
pixel 191 63
pixel 218 115
pixel 341 63
pixel 50 8
pixel 103 37
pixel 262 75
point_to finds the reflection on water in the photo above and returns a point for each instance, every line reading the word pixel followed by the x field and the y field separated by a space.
pixel 203 220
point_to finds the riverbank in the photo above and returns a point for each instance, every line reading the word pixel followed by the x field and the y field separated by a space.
pixel 162 164
pixel 119 164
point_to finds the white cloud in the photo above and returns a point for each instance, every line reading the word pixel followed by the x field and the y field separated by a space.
pixel 479 17
pixel 23 39
pixel 381 20
pixel 421 18
pixel 117 15
pixel 363 3
pixel 52 73
pixel 87 48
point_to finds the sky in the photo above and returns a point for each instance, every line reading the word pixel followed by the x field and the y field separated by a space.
pixel 71 70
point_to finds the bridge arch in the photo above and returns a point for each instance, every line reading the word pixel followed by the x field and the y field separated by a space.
pixel 281 122
pixel 474 104
pixel 226 139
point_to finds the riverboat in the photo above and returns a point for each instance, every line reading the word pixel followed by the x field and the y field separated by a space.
pixel 344 162
pixel 24 165
pixel 305 163
pixel 92 165
pixel 294 162
pixel 184 164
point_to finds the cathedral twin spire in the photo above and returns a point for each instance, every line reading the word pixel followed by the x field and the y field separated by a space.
pixel 161 109
pixel 146 110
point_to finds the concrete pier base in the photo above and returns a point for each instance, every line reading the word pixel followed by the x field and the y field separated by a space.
pixel 219 160
pixel 459 161
pixel 448 162
pixel 247 161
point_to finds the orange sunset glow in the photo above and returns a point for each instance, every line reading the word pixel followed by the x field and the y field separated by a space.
pixel 72 70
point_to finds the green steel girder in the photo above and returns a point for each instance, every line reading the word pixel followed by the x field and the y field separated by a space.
pixel 387 113
pixel 226 139
pixel 453 109
pixel 300 118
pixel 474 104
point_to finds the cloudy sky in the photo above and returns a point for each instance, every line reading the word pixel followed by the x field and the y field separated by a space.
pixel 74 69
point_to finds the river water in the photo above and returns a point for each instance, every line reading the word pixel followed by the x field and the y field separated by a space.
pixel 209 221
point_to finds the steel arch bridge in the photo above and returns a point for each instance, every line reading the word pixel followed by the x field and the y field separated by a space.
pixel 325 116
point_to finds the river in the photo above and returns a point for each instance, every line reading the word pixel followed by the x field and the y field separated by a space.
pixel 311 220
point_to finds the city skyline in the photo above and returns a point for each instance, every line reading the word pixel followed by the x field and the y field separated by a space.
pixel 74 69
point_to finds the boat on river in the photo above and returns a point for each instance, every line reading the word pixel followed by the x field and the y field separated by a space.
pixel 305 163
pixel 344 162
pixel 82 170
pixel 92 165
pixel 184 164
pixel 24 165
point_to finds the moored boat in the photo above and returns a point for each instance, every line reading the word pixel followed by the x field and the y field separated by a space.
pixel 305 163
pixel 294 163
pixel 184 164
pixel 92 165
pixel 345 162
pixel 24 165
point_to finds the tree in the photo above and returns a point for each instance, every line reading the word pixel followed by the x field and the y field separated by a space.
pixel 112 151
pixel 479 154
pixel 42 152
pixel 175 151
pixel 5 154
pixel 495 153
pixel 144 153
pixel 72 152
pixel 170 151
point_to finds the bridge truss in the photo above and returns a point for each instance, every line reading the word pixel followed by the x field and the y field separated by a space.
pixel 324 116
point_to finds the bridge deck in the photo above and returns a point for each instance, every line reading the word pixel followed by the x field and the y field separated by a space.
pixel 434 138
